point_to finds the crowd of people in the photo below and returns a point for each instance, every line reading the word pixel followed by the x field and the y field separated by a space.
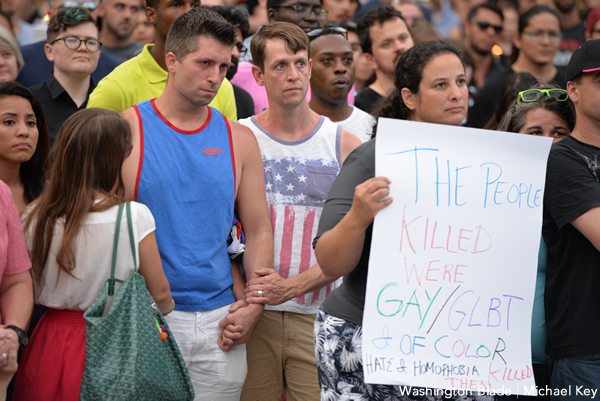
pixel 221 121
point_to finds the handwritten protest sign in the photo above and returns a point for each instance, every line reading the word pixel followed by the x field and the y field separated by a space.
pixel 454 258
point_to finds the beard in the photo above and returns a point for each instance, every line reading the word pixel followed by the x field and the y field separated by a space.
pixel 122 35
pixel 480 51
pixel 564 8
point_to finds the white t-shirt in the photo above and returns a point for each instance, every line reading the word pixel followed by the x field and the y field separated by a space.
pixel 359 124
pixel 93 256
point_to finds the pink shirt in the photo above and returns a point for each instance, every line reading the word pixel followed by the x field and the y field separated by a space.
pixel 13 252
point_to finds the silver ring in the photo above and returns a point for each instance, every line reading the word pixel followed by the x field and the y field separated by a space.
pixel 260 293
pixel 5 356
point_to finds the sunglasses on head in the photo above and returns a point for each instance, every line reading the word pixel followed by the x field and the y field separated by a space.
pixel 531 95
pixel 315 33
pixel 90 5
pixel 485 25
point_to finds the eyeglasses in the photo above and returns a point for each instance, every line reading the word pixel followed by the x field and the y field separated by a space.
pixel 90 5
pixel 531 95
pixel 304 11
pixel 241 49
pixel 315 33
pixel 485 25
pixel 73 43
pixel 537 36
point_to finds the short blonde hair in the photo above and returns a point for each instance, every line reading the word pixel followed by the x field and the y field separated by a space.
pixel 8 42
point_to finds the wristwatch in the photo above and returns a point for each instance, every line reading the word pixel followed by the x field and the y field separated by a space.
pixel 23 339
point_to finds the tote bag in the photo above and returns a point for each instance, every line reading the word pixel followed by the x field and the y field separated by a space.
pixel 125 357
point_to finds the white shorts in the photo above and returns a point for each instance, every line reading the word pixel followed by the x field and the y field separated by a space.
pixel 216 375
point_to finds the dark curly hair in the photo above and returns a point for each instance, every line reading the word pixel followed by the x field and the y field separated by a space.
pixel 409 73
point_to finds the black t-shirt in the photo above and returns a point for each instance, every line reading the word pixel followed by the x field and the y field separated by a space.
pixel 573 271
pixel 243 103
pixel 367 100
pixel 57 104
pixel 571 39
pixel 348 300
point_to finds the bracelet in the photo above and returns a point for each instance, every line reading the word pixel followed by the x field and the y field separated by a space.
pixel 172 309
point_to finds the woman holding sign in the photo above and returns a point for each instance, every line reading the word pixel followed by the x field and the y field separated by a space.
pixel 430 87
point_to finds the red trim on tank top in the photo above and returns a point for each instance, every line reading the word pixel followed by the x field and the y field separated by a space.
pixel 139 173
pixel 180 130
pixel 232 153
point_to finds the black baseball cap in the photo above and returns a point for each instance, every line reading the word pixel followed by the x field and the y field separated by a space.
pixel 585 59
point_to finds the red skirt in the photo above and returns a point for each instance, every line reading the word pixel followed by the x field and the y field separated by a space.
pixel 53 361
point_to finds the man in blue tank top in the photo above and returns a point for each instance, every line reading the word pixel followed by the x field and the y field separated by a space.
pixel 190 165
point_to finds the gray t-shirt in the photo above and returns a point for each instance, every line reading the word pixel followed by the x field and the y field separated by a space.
pixel 348 300
pixel 124 53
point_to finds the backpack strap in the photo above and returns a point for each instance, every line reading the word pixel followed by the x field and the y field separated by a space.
pixel 111 280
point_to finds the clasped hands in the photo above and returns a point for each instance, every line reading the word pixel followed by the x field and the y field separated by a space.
pixel 269 288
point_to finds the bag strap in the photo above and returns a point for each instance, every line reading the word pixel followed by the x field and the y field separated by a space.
pixel 131 240
pixel 111 280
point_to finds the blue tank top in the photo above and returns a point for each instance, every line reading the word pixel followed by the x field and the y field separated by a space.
pixel 187 180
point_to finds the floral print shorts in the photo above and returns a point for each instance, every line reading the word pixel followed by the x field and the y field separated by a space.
pixel 338 350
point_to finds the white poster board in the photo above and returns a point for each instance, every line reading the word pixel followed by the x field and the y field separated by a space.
pixel 454 258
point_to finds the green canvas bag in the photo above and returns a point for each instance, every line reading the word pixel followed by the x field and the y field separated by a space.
pixel 125 358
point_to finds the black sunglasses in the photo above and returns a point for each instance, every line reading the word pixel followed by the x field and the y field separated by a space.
pixel 484 26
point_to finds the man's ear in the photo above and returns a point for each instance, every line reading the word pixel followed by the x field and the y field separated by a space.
pixel 408 98
pixel 151 15
pixel 258 75
pixel 371 61
pixel 171 61
pixel 48 51
pixel 310 63
pixel 573 90
pixel 100 10
pixel 271 15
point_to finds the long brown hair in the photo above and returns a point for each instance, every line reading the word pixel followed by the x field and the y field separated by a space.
pixel 87 157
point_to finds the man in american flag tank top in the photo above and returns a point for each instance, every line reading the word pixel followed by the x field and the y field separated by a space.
pixel 302 153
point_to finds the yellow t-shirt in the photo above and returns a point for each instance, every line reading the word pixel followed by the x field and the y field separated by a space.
pixel 141 78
